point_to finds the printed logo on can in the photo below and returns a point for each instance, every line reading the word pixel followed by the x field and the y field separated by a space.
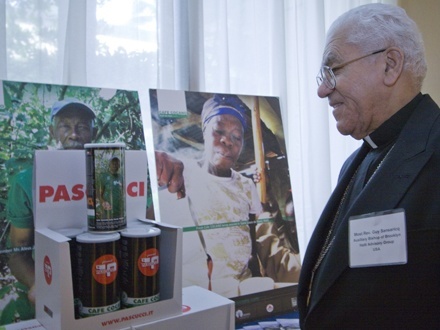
pixel 47 270
pixel 148 262
pixel 105 269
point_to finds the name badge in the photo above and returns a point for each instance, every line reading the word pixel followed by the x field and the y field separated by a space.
pixel 378 239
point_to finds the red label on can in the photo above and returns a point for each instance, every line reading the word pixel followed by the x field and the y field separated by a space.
pixel 148 262
pixel 105 269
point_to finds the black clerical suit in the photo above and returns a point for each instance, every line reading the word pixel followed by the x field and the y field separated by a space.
pixel 405 296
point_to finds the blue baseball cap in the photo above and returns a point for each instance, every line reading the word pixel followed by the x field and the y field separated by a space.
pixel 63 105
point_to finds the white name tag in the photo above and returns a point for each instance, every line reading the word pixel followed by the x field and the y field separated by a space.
pixel 378 239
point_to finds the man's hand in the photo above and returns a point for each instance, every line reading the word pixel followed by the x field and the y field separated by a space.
pixel 31 294
pixel 169 171
pixel 257 176
pixel 21 263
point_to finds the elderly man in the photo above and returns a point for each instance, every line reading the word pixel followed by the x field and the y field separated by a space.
pixel 373 260
pixel 72 126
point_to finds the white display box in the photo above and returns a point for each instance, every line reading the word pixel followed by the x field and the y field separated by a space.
pixel 54 307
pixel 202 309
pixel 60 202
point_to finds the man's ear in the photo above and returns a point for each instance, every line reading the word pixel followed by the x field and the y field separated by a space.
pixel 393 65
pixel 94 133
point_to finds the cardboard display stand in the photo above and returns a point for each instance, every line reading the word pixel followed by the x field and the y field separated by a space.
pixel 202 309
pixel 60 202
pixel 198 303
pixel 55 308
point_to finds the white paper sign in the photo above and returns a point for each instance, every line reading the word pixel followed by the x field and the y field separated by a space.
pixel 60 188
pixel 378 239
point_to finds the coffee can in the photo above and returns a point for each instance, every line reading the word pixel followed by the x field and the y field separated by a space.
pixel 97 282
pixel 140 263
pixel 105 186
pixel 72 233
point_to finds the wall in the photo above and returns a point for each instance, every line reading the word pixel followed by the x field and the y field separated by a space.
pixel 426 14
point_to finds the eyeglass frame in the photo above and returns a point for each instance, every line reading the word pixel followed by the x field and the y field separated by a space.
pixel 321 78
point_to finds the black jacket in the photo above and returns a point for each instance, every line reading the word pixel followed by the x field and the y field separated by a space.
pixel 385 297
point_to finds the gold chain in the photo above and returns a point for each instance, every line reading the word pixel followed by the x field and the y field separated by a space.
pixel 328 243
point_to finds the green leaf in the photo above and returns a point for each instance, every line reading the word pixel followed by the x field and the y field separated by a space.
pixel 24 308
pixel 4 291
pixel 8 313
pixel 21 287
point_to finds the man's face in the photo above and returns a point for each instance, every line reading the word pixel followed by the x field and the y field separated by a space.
pixel 114 166
pixel 357 99
pixel 71 129
pixel 223 138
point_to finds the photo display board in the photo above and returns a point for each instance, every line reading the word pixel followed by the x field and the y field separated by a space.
pixel 31 120
pixel 233 197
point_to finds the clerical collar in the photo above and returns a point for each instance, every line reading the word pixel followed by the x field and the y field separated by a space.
pixel 392 127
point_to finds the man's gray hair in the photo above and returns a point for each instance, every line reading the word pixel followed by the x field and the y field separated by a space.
pixel 376 26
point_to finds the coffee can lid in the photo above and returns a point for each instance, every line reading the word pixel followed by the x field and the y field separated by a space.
pixel 104 145
pixel 148 231
pixel 97 238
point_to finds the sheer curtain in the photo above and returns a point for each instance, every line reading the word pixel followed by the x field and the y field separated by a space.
pixel 260 47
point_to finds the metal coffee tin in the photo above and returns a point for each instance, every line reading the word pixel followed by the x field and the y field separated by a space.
pixel 97 282
pixel 72 233
pixel 105 171
pixel 139 267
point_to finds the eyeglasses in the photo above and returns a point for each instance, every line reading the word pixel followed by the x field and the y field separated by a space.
pixel 327 76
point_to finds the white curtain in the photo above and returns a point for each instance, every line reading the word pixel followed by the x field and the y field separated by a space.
pixel 261 47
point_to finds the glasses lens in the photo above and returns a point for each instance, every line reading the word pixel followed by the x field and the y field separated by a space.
pixel 319 79
pixel 328 77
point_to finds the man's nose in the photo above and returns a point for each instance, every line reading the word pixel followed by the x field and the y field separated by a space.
pixel 74 133
pixel 226 140
pixel 323 90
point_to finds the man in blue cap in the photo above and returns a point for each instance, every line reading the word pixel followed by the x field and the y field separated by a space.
pixel 72 126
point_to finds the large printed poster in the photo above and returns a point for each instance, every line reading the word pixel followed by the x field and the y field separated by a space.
pixel 49 117
pixel 223 176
